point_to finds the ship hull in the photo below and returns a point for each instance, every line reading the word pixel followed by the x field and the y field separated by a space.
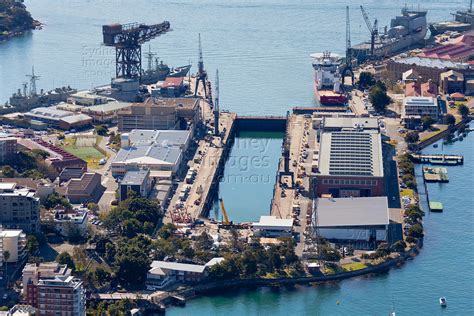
pixel 328 97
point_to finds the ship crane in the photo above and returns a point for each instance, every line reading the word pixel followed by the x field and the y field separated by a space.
pixel 373 29
pixel 201 76
pixel 216 106
pixel 347 68
pixel 127 40
pixel 286 154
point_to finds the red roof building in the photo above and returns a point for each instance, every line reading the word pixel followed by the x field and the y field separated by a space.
pixel 427 89
pixel 461 50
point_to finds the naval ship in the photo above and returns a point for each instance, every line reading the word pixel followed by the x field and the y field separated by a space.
pixel 406 30
pixel 158 71
pixel 463 21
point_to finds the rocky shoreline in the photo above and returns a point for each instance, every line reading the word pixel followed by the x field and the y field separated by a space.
pixel 15 20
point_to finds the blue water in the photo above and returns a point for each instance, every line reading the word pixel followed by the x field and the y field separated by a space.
pixel 262 48
pixel 443 268
pixel 249 176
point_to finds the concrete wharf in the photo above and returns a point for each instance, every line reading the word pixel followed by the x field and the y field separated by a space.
pixel 207 163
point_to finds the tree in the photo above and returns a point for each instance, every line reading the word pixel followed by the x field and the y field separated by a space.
pixel 427 121
pixel 54 200
pixel 166 231
pixel 382 250
pixel 379 98
pixel 412 137
pixel 415 231
pixel 8 172
pixel 32 244
pixel 101 275
pixel 101 130
pixel 399 246
pixel 328 253
pixel 449 119
pixel 132 264
pixel 65 258
pixel 366 79
pixel 93 207
pixel 463 110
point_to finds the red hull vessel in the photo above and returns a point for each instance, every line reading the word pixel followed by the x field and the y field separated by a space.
pixel 328 88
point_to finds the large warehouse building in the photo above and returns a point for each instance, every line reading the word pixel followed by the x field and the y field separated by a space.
pixel 350 164
pixel 362 221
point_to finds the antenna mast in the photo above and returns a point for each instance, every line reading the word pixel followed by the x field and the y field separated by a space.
pixel 33 79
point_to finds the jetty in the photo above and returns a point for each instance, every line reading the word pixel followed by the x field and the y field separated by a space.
pixel 439 159
pixel 435 174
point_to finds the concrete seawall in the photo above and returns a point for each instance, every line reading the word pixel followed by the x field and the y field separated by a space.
pixel 204 289
pixel 441 135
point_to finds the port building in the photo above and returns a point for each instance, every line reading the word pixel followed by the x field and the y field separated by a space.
pixel 158 151
pixel 414 108
pixel 160 114
pixel 349 163
pixel 271 226
pixel 56 118
pixel 362 221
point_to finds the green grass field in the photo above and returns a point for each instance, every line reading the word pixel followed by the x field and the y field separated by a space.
pixel 87 153
pixel 354 266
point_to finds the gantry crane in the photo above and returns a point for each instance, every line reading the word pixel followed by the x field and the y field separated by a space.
pixel 373 29
pixel 201 76
pixel 347 68
pixel 226 220
pixel 127 40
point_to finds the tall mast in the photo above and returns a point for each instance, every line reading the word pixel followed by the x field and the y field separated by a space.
pixel 33 79
pixel 149 56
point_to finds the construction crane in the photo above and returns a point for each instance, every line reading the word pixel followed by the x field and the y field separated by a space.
pixel 224 212
pixel 373 29
pixel 286 153
pixel 127 40
pixel 347 68
pixel 201 76
pixel 216 106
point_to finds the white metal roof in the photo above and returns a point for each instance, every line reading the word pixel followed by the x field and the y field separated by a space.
pixel 272 222
pixel 362 211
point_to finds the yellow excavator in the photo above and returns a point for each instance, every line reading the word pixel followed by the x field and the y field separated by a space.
pixel 226 221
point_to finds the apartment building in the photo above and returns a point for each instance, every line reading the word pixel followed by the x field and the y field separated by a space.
pixel 417 107
pixel 13 241
pixel 8 149
pixel 19 208
pixel 52 289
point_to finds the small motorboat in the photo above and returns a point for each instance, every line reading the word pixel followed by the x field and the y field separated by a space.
pixel 442 301
pixel 435 145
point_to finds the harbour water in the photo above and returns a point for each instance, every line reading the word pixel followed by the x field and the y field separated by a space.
pixel 262 50
pixel 249 176
pixel 261 47
pixel 444 267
